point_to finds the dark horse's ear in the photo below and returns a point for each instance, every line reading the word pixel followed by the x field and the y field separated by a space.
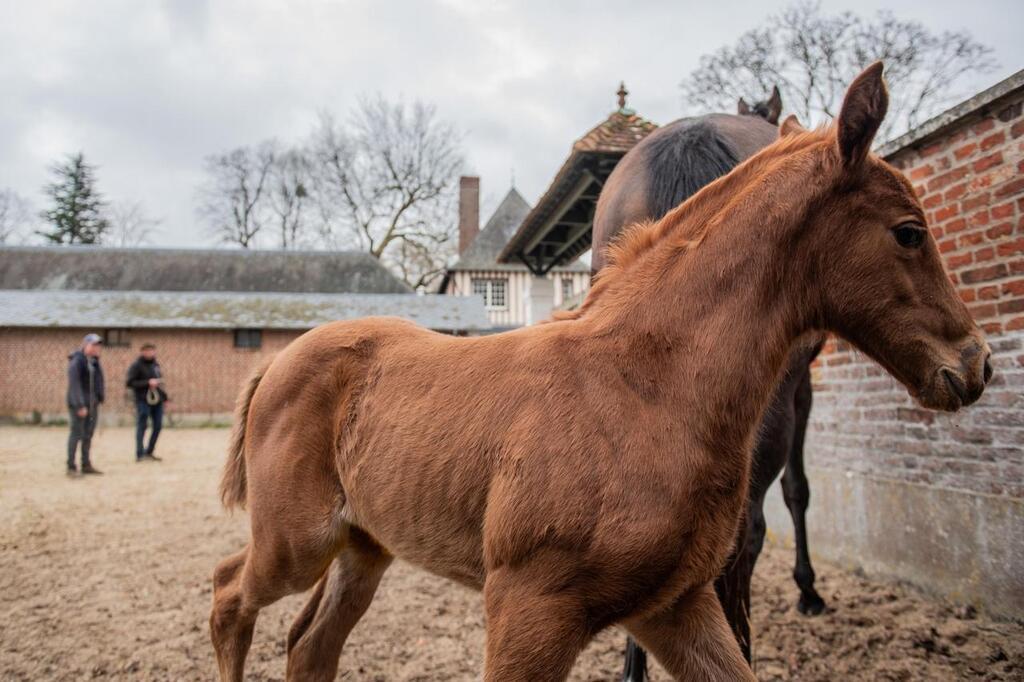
pixel 863 109
pixel 742 108
pixel 790 125
pixel 774 106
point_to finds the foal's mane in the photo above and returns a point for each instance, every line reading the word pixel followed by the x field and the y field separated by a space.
pixel 640 238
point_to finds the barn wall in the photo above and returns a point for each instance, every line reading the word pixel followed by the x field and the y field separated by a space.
pixel 203 370
pixel 932 498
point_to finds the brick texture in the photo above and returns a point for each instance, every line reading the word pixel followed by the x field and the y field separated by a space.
pixel 202 368
pixel 971 182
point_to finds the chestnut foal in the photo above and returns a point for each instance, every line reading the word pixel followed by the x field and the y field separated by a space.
pixel 593 471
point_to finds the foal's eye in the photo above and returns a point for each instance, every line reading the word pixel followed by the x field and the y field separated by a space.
pixel 909 235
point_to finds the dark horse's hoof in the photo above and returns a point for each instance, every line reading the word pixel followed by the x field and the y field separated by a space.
pixel 810 604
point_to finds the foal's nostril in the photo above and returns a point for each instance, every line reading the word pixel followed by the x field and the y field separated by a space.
pixel 987 371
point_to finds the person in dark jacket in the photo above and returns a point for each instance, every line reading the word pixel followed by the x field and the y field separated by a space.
pixel 145 379
pixel 85 394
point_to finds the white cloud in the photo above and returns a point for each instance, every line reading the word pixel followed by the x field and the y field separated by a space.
pixel 146 90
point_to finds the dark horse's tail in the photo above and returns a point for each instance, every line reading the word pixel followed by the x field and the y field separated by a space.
pixel 233 481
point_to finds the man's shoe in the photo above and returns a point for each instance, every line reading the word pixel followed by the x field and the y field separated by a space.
pixel 154 457
pixel 72 472
pixel 90 469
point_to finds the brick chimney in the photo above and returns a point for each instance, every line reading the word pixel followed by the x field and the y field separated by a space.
pixel 469 210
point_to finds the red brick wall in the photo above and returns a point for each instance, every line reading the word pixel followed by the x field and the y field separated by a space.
pixel 971 181
pixel 202 368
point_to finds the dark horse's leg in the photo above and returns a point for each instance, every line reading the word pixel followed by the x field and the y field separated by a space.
pixel 636 662
pixel 733 586
pixel 797 494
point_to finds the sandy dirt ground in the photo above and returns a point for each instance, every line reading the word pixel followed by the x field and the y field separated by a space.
pixel 109 577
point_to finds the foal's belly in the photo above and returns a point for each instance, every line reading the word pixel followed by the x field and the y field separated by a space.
pixel 428 515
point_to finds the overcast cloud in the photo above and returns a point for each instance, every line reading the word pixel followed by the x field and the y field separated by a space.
pixel 147 89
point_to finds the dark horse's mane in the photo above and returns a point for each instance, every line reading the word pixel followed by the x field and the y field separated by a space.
pixel 681 164
pixel 678 166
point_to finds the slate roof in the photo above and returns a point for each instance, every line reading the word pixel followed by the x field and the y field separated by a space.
pixel 159 269
pixel 482 254
pixel 229 310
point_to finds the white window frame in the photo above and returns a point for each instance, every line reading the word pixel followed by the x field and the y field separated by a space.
pixel 487 287
pixel 567 282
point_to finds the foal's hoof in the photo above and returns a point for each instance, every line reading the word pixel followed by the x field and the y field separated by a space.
pixel 810 604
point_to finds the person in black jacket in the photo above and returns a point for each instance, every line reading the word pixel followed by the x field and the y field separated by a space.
pixel 145 379
pixel 85 393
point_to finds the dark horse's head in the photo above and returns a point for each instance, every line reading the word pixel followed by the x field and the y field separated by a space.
pixel 768 109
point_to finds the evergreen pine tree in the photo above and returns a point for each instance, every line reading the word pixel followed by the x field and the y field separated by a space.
pixel 77 213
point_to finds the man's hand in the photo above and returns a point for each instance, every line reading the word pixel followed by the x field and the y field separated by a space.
pixel 153 383
pixel 82 411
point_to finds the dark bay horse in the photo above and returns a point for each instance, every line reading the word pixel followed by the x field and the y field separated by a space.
pixel 657 175
pixel 591 471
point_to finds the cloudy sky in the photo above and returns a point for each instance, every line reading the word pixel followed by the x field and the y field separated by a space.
pixel 146 89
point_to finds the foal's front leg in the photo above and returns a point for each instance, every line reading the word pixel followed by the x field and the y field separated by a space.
pixel 692 640
pixel 532 636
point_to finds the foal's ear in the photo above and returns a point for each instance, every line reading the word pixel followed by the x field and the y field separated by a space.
pixel 863 109
pixel 774 105
pixel 742 108
pixel 790 125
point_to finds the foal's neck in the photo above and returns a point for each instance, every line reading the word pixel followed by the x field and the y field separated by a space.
pixel 706 316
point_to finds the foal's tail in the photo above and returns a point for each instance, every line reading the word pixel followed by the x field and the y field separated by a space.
pixel 233 482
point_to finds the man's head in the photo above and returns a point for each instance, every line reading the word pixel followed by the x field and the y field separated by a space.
pixel 92 345
pixel 148 350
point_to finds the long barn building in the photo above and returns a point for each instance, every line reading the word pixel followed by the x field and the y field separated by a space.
pixel 213 314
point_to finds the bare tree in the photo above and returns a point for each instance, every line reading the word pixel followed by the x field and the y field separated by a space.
pixel 289 197
pixel 129 224
pixel 232 201
pixel 812 56
pixel 386 184
pixel 16 217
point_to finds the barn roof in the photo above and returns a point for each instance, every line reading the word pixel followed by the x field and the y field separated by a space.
pixel 557 230
pixel 231 310
pixel 161 269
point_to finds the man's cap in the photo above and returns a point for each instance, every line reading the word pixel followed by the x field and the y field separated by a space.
pixel 92 338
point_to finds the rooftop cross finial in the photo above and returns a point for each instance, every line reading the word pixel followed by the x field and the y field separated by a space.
pixel 622 92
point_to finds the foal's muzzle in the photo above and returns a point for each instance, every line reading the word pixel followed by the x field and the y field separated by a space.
pixel 956 387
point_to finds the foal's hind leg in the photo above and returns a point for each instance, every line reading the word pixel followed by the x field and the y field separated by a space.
pixel 231 620
pixel 692 640
pixel 341 598
pixel 797 493
pixel 296 533
pixel 244 584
